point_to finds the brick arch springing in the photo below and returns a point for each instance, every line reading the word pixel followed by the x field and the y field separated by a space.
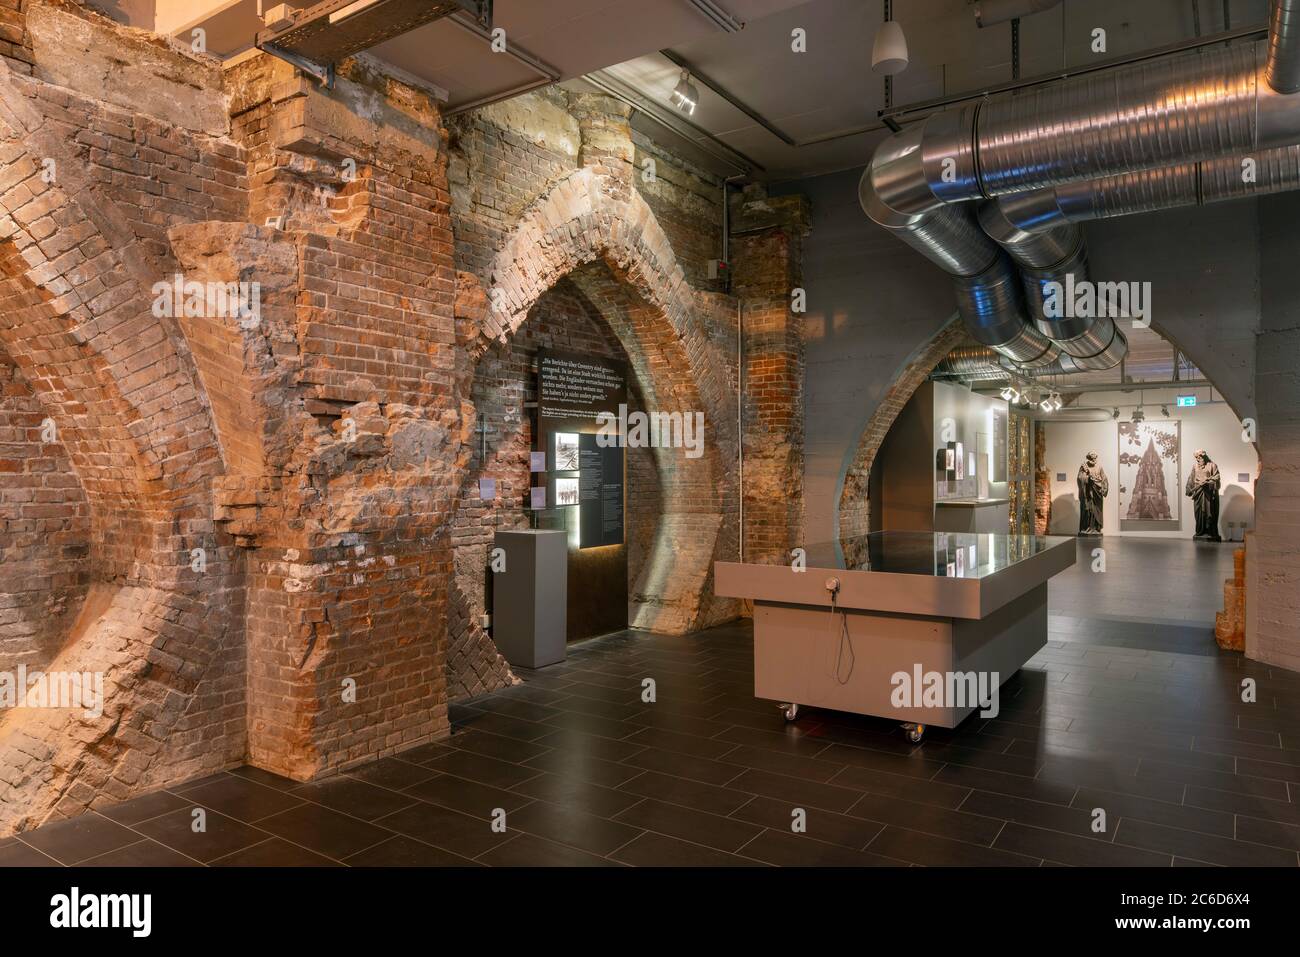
pixel 854 513
pixel 120 388
pixel 663 327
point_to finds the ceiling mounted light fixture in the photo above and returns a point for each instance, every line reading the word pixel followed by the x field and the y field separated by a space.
pixel 685 96
pixel 889 51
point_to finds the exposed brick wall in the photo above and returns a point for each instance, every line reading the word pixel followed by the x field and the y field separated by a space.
pixel 347 510
pixel 281 540
pixel 1042 481
pixel 76 266
pixel 44 530
pixel 15 47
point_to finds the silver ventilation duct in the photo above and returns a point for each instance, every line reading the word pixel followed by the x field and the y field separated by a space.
pixel 1036 218
pixel 1184 108
pixel 1283 67
pixel 974 363
pixel 1121 132
pixel 987 285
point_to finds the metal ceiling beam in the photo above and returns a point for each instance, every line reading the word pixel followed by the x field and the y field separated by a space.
pixel 719 16
pixel 317 38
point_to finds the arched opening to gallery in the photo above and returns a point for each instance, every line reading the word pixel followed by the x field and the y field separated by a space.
pixel 1146 464
pixel 588 474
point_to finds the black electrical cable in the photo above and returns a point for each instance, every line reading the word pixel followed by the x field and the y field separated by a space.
pixel 846 640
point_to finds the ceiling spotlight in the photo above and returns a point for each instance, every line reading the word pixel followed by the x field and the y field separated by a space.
pixel 1139 415
pixel 1164 410
pixel 685 96
pixel 1056 402
pixel 889 51
pixel 1115 414
pixel 1046 405
pixel 1007 392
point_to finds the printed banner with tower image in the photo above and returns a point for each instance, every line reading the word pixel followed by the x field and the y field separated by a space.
pixel 1150 496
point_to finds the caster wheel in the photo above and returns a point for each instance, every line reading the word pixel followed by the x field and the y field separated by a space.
pixel 791 711
pixel 916 733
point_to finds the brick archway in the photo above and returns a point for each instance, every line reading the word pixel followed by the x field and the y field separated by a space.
pixel 853 515
pixel 119 387
pixel 664 328
pixel 854 512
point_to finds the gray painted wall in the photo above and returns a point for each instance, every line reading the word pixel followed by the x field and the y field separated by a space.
pixel 873 303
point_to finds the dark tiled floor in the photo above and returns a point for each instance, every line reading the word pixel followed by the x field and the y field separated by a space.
pixel 1130 710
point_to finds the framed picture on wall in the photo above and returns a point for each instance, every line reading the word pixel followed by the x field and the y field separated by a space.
pixel 1150 494
pixel 566 451
pixel 566 491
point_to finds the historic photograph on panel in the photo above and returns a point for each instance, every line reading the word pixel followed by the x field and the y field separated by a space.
pixel 566 491
pixel 1149 489
pixel 566 452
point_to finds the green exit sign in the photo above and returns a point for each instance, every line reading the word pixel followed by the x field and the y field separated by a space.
pixel 1186 400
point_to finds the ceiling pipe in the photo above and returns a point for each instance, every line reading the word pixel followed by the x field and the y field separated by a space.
pixel 1035 218
pixel 986 284
pixel 1147 115
pixel 991 12
pixel 1283 67
pixel 1151 114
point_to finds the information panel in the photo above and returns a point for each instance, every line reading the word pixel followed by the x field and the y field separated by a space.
pixel 600 494
pixel 572 391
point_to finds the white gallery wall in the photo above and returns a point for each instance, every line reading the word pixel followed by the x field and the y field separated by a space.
pixel 1212 426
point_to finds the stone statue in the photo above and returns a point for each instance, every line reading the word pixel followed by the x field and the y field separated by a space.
pixel 1203 487
pixel 1093 488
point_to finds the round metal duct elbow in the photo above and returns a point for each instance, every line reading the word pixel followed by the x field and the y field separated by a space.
pixel 990 304
pixel 928 164
pixel 948 236
pixel 1282 69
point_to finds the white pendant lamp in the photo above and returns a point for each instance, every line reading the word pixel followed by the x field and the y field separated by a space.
pixel 889 51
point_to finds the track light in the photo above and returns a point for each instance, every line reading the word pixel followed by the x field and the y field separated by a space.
pixel 1139 415
pixel 685 95
pixel 1115 414
pixel 1007 392
pixel 1164 410
pixel 889 51
pixel 1046 405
